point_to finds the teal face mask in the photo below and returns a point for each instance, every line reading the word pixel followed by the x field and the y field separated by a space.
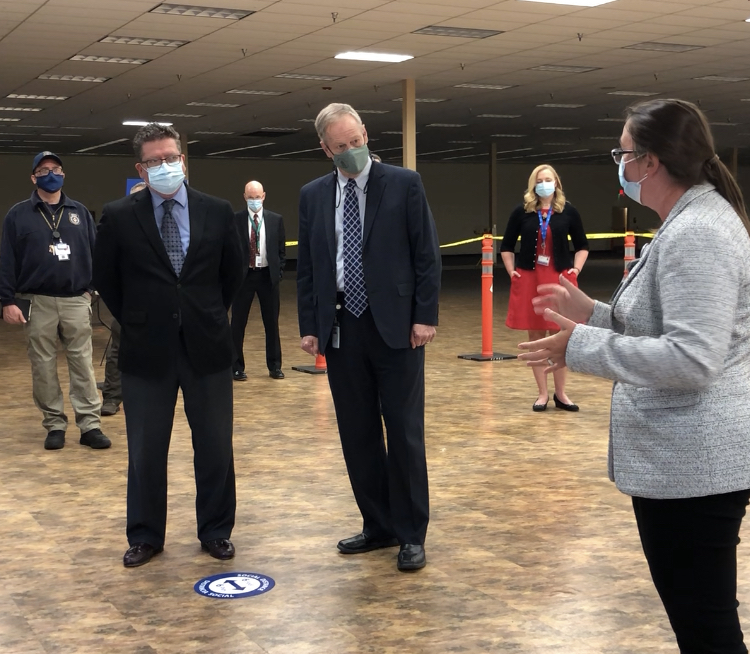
pixel 353 161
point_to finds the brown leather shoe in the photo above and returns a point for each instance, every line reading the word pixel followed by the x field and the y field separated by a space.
pixel 140 554
pixel 220 548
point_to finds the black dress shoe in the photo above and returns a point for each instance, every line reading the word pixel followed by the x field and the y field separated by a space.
pixel 411 557
pixel 239 375
pixel 563 406
pixel 220 548
pixel 539 407
pixel 95 439
pixel 55 440
pixel 360 544
pixel 140 554
pixel 276 374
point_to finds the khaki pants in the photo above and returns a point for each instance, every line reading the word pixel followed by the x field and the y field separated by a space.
pixel 68 318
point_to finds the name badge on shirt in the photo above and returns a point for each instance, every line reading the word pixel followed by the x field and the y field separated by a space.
pixel 258 260
pixel 542 260
pixel 62 251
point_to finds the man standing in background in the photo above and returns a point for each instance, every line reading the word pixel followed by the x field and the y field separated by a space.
pixel 167 264
pixel 112 388
pixel 262 237
pixel 45 285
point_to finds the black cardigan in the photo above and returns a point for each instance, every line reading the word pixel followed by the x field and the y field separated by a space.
pixel 526 225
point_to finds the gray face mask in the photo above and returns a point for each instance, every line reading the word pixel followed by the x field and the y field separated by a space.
pixel 353 161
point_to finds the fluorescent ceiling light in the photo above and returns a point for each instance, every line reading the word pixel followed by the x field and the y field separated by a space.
pixel 446 125
pixel 66 135
pixel 427 100
pixel 508 136
pixel 44 141
pixel 573 3
pixel 200 12
pixel 560 129
pixel 492 87
pixel 424 154
pixel 467 156
pixel 499 116
pixel 247 147
pixel 284 154
pixel 222 105
pixel 462 142
pixel 458 32
pixel 9 120
pixel 102 145
pixel 722 78
pixel 655 46
pixel 306 120
pixel 214 133
pixel 80 128
pixel 32 109
pixel 605 138
pixel 724 124
pixel 143 40
pixel 24 96
pixel 372 111
pixel 142 123
pixel 554 68
pixel 179 115
pixel 314 78
pixel 557 143
pixel 553 105
pixel 516 150
pixel 639 94
pixel 374 56
pixel 109 60
pixel 253 92
pixel 74 78
pixel 611 120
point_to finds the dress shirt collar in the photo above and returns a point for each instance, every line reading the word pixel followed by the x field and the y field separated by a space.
pixel 361 179
pixel 180 197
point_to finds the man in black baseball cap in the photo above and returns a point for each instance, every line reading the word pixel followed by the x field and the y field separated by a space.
pixel 45 283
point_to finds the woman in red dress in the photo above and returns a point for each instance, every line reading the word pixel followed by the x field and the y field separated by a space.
pixel 543 222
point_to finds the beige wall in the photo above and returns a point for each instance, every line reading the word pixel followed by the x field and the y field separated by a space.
pixel 458 193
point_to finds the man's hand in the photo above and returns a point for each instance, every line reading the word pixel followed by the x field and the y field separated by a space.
pixel 13 315
pixel 421 335
pixel 310 345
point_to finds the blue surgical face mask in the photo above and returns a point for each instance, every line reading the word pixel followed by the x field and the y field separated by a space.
pixel 353 161
pixel 632 189
pixel 167 178
pixel 544 189
pixel 255 205
pixel 50 182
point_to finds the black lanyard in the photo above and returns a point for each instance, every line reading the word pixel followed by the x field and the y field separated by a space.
pixel 54 225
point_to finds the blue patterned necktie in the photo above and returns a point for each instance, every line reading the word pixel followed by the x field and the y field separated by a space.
pixel 355 292
pixel 170 234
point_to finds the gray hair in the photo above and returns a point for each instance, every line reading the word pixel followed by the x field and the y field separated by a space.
pixel 154 132
pixel 331 114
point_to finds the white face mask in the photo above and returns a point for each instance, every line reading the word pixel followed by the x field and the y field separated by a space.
pixel 632 189
pixel 166 179
pixel 255 205
pixel 544 189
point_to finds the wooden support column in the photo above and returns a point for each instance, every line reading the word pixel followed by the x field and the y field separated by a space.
pixel 409 123
pixel 184 148
pixel 492 224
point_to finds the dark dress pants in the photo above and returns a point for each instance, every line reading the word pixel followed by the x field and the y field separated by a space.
pixel 257 281
pixel 366 375
pixel 149 414
pixel 691 549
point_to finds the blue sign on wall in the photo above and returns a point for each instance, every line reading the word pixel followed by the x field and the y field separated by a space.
pixel 130 183
pixel 234 585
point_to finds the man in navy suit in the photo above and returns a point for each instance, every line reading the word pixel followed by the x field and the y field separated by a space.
pixel 368 279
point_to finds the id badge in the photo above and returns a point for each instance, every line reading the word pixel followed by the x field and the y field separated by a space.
pixel 62 251
pixel 258 261
pixel 543 260
pixel 336 337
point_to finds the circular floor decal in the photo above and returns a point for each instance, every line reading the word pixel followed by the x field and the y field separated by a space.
pixel 234 585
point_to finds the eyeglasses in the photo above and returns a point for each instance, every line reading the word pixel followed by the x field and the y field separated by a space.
pixel 43 172
pixel 153 163
pixel 618 152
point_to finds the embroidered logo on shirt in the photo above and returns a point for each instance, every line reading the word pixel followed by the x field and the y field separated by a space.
pixel 73 218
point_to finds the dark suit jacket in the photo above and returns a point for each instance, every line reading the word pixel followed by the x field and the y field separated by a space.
pixel 400 253
pixel 275 241
pixel 135 278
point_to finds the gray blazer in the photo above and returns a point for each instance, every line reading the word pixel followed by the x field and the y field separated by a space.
pixel 676 342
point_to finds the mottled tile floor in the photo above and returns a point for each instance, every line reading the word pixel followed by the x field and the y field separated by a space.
pixel 531 549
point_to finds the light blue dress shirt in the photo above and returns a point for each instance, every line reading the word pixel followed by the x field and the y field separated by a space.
pixel 179 213
pixel 362 180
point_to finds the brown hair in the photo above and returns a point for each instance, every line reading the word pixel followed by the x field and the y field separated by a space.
pixel 678 133
pixel 154 132
pixel 532 202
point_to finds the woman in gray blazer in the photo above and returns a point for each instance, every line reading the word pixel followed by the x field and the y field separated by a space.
pixel 676 341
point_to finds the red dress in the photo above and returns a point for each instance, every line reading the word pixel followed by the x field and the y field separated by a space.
pixel 521 313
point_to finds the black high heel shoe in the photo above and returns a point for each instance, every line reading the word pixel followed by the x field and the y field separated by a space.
pixel 540 407
pixel 563 406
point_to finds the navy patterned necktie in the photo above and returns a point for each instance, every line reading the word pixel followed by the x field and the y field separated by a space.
pixel 355 292
pixel 170 234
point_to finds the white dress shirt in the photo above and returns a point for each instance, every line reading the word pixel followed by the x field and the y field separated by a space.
pixel 362 179
pixel 262 244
